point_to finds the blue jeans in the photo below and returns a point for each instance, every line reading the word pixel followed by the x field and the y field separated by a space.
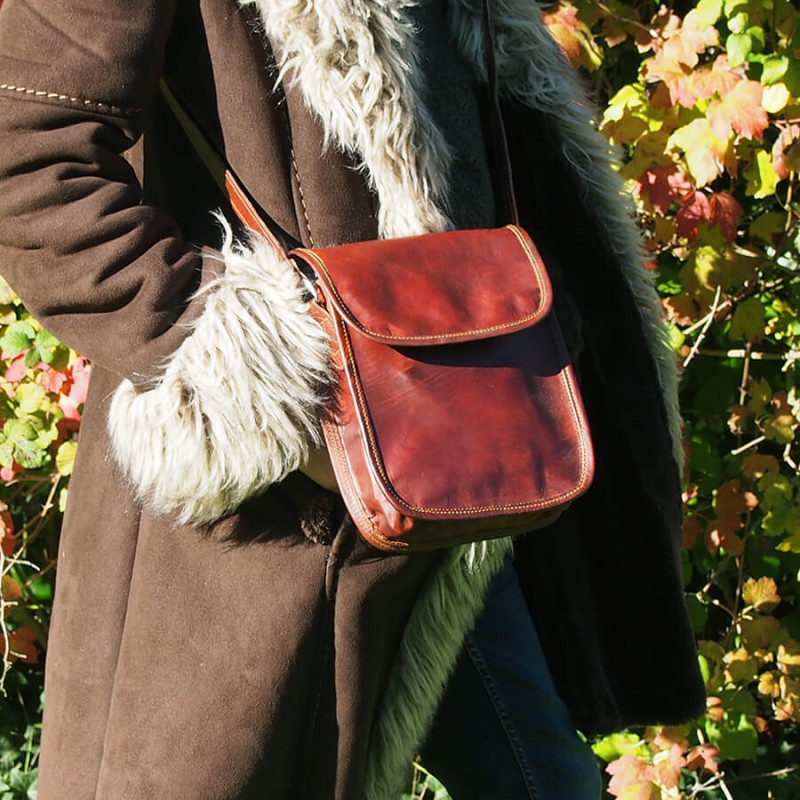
pixel 502 732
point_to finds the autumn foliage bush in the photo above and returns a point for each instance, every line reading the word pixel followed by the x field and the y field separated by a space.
pixel 703 100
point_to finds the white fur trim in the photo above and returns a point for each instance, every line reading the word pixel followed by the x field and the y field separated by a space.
pixel 532 70
pixel 443 615
pixel 356 63
pixel 235 407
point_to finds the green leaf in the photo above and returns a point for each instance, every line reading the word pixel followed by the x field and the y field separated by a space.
pixel 738 22
pixel 762 180
pixel 32 358
pixel 774 69
pixel 739 47
pixel 616 745
pixel 748 320
pixel 756 34
pixel 30 455
pixel 21 430
pixel 17 338
pixel 30 397
pixel 735 736
pixel 707 13
pixel 698 612
pixel 6 454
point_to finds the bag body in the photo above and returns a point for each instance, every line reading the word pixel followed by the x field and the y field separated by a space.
pixel 456 416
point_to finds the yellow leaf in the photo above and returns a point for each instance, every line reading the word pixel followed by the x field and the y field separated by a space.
pixel 762 180
pixel 762 594
pixel 705 154
pixel 775 98
pixel 65 457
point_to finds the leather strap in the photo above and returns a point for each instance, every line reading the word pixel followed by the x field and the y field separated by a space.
pixel 259 221
pixel 502 158
pixel 225 178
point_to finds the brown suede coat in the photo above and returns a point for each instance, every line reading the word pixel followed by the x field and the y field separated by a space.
pixel 250 658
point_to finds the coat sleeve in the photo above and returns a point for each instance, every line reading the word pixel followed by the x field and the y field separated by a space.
pixel 223 370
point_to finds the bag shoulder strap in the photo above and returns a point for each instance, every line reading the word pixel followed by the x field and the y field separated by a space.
pixel 256 219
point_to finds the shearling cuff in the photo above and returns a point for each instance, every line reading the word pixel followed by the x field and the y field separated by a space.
pixel 235 408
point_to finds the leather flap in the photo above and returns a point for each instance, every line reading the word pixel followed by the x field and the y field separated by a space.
pixel 437 288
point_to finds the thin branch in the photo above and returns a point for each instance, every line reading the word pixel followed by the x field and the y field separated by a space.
pixel 753 443
pixel 710 318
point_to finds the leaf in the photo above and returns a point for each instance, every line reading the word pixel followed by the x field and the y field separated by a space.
pixel 760 394
pixel 10 589
pixel 702 758
pixel 632 779
pixel 704 152
pixel 788 657
pixel 748 320
pixel 694 209
pixel 17 338
pixel 7 541
pixel 707 13
pixel 740 111
pixel 724 211
pixel 757 465
pixel 30 397
pixel 786 152
pixel 65 457
pixel 615 745
pixel 663 186
pixel 775 98
pixel 21 643
pixel 739 46
pixel 773 69
pixel 759 633
pixel 692 39
pixel 762 180
pixel 762 594
pixel 721 533
pixel 734 736
pixel 667 766
pixel 719 79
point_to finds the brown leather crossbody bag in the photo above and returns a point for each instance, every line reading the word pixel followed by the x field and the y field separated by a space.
pixel 456 416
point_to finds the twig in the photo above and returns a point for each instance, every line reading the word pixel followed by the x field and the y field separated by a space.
pixel 756 355
pixel 710 318
pixel 725 790
pixel 777 773
pixel 740 450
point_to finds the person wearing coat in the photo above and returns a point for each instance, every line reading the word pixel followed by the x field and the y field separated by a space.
pixel 219 628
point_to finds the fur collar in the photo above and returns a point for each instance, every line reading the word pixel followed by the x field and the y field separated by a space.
pixel 357 66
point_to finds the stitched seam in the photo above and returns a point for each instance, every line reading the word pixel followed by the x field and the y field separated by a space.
pixel 428 337
pixel 387 485
pixel 503 716
pixel 79 101
pixel 302 197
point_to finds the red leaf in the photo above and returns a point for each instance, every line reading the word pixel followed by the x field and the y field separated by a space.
pixel 16 370
pixel 692 528
pixel 6 531
pixel 694 209
pixel 740 110
pixel 786 151
pixel 702 758
pixel 664 186
pixel 21 646
pixel 725 211
pixel 722 534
